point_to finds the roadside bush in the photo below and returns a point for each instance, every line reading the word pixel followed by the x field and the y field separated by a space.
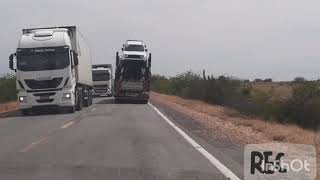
pixel 160 84
pixel 7 88
pixel 302 107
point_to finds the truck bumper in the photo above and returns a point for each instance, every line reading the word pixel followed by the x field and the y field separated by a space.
pixel 46 98
pixel 132 97
pixel 102 92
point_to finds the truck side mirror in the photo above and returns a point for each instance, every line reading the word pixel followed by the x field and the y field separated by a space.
pixel 11 64
pixel 11 57
pixel 149 60
pixel 146 50
pixel 117 59
pixel 11 61
pixel 122 49
pixel 75 58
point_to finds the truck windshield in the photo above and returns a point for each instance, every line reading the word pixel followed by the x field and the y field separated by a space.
pixel 134 48
pixel 100 75
pixel 34 60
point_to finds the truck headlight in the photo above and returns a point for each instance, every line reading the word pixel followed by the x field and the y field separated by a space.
pixel 67 95
pixel 22 99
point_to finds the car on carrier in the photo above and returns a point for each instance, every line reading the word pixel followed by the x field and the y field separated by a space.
pixel 133 72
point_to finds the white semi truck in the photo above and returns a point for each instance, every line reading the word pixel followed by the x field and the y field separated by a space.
pixel 133 73
pixel 53 69
pixel 102 75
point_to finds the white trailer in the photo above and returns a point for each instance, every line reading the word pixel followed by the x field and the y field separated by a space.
pixel 53 68
pixel 102 75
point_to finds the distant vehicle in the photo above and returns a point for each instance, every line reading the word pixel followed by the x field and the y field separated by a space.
pixel 102 75
pixel 133 72
pixel 53 68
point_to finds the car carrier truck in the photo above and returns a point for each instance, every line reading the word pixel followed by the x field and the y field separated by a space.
pixel 133 73
pixel 102 75
pixel 53 69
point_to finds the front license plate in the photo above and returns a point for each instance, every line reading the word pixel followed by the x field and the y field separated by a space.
pixel 44 97
pixel 131 95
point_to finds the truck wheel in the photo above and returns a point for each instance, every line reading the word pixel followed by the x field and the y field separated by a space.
pixel 90 98
pixel 86 97
pixel 86 102
pixel 71 109
pixel 66 110
pixel 79 98
pixel 144 101
pixel 26 112
pixel 117 101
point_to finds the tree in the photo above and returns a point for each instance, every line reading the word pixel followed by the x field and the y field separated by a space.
pixel 204 74
pixel 267 80
pixel 299 79
pixel 258 80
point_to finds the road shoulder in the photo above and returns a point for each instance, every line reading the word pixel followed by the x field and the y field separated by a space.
pixel 228 153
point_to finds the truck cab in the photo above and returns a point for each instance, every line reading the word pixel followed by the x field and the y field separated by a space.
pixel 102 80
pixel 47 70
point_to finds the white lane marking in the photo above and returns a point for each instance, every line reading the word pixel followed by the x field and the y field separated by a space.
pixel 67 125
pixel 221 167
pixel 32 145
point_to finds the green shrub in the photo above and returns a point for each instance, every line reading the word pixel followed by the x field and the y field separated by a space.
pixel 160 84
pixel 304 105
pixel 7 88
pixel 302 108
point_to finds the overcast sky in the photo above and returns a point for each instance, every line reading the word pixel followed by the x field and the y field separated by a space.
pixel 279 39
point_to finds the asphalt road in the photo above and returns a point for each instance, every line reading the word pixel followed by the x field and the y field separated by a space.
pixel 104 141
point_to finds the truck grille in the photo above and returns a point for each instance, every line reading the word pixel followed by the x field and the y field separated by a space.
pixel 33 84
pixel 100 86
pixel 44 94
pixel 134 56
pixel 44 100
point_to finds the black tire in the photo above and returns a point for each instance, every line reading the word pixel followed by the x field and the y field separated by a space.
pixel 117 101
pixel 86 98
pixel 26 112
pixel 90 98
pixel 144 101
pixel 67 110
pixel 71 110
pixel 86 102
pixel 79 103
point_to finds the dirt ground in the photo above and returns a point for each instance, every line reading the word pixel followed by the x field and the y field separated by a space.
pixel 237 128
pixel 10 106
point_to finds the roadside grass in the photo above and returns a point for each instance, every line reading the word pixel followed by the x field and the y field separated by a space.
pixel 280 90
